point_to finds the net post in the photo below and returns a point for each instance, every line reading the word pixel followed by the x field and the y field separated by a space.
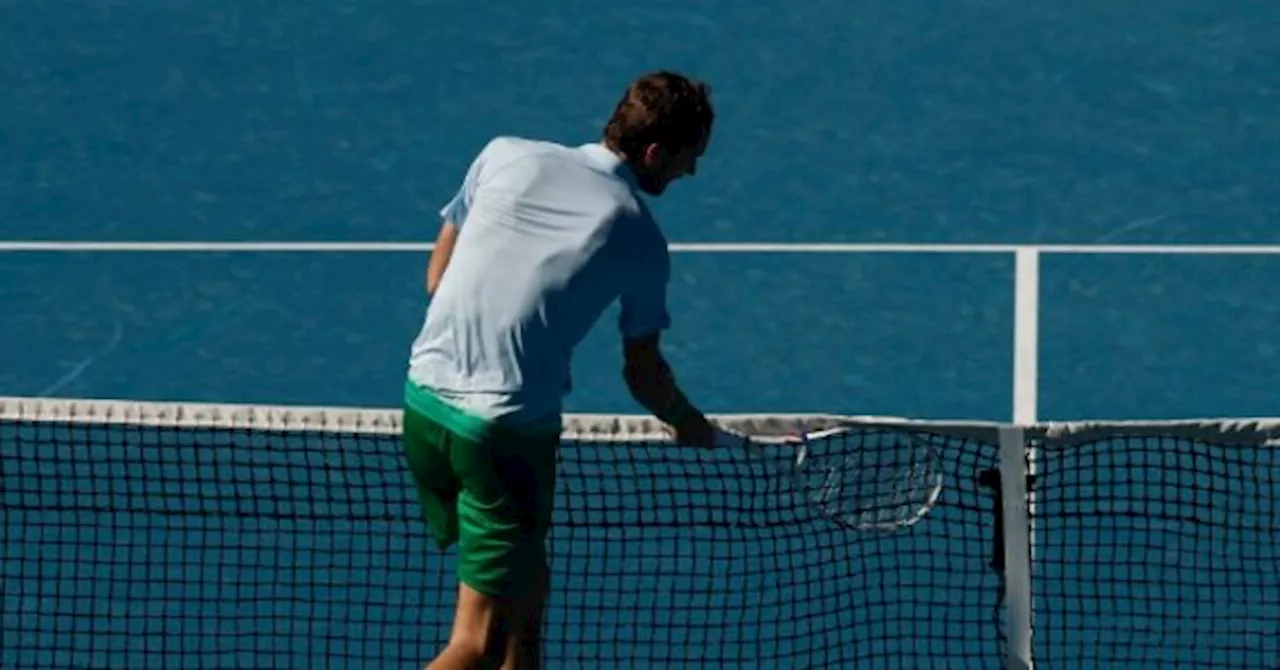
pixel 1026 336
pixel 1017 546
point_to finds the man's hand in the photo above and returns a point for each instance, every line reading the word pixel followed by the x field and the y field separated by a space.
pixel 653 385
pixel 696 431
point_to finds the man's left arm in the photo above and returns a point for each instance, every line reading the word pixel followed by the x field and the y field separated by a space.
pixel 440 254
pixel 453 215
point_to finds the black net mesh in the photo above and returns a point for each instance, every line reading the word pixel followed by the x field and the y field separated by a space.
pixel 150 546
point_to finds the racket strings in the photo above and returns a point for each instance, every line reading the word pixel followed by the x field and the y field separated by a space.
pixel 888 482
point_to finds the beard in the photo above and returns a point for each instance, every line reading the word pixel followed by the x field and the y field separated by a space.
pixel 651 184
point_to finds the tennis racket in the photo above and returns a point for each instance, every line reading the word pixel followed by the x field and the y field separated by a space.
pixel 859 477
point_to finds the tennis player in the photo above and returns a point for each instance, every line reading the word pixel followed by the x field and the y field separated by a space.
pixel 537 243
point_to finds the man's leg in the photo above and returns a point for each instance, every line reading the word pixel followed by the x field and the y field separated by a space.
pixel 524 652
pixel 480 625
pixel 488 630
pixel 524 646
pixel 482 631
pixel 504 513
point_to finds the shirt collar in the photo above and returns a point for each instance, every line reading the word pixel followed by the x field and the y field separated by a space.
pixel 601 155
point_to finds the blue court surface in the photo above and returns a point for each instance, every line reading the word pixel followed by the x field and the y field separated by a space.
pixel 986 122
pixel 917 122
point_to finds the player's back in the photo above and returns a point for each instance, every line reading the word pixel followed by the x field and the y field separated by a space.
pixel 551 236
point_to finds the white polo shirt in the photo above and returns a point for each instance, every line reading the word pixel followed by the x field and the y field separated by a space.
pixel 550 236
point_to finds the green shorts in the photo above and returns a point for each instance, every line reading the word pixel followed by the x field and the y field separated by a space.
pixel 492 494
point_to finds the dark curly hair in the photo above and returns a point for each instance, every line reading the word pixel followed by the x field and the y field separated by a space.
pixel 664 108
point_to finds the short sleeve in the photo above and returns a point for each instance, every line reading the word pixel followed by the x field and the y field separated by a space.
pixel 457 208
pixel 644 304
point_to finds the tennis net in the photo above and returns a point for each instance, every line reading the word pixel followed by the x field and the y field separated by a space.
pixel 153 535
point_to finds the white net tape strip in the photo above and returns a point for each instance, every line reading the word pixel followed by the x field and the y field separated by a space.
pixel 1225 431
pixel 341 419
pixel 607 427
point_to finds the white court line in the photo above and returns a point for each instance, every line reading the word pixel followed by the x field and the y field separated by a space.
pixel 679 247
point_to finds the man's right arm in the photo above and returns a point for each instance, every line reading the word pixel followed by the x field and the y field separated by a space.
pixel 649 378
pixel 653 385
